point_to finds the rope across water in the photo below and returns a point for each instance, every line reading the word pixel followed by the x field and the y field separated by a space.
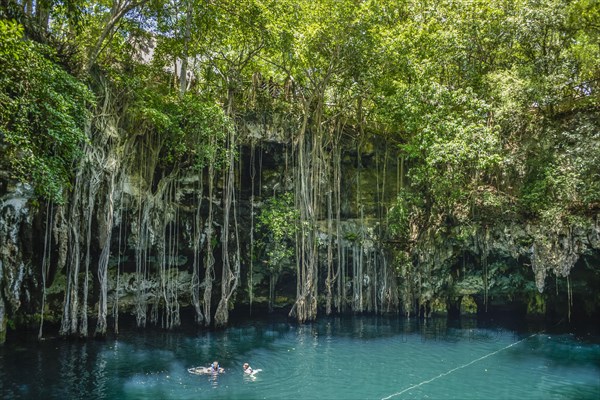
pixel 408 389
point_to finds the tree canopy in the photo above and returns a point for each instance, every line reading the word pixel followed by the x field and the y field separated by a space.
pixel 479 95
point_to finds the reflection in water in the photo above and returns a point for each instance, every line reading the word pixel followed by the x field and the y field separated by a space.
pixel 338 358
pixel 214 379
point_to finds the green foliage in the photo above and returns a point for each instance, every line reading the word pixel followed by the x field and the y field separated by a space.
pixel 43 113
pixel 191 129
pixel 492 104
pixel 562 180
pixel 474 94
pixel 277 226
pixel 202 131
pixel 468 305
pixel 450 144
pixel 399 216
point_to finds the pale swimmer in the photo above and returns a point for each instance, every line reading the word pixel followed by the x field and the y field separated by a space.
pixel 248 370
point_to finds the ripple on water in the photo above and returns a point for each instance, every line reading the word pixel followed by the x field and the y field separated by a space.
pixel 337 358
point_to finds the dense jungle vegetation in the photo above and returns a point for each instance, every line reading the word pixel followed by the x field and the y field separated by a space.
pixel 419 156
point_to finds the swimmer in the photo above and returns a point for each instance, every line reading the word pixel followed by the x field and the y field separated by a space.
pixel 215 368
pixel 249 371
pixel 247 368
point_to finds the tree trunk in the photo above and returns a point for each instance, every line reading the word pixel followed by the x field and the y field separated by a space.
pixel 186 45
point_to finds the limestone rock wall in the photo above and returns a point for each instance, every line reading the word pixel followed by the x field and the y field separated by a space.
pixel 15 251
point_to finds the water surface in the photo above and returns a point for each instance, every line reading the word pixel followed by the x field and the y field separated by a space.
pixel 335 358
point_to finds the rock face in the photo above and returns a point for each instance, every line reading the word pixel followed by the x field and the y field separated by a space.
pixel 15 252
pixel 161 233
pixel 508 264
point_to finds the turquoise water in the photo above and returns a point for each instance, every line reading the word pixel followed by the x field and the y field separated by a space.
pixel 336 358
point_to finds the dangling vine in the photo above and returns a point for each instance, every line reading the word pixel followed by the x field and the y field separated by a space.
pixel 229 277
pixel 197 247
pixel 46 261
pixel 209 261
pixel 252 177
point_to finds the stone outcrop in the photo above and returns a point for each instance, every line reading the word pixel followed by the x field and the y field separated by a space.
pixel 15 251
pixel 506 263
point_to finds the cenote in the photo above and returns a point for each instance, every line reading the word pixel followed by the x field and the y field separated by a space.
pixel 361 357
pixel 176 173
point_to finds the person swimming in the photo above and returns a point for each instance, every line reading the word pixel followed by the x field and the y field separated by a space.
pixel 247 368
pixel 215 368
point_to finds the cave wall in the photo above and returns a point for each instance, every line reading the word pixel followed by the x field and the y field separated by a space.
pixel 457 269
pixel 524 268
